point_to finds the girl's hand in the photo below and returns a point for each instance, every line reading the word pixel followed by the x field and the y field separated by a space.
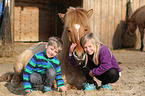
pixel 91 73
pixel 63 88
pixel 119 74
pixel 71 49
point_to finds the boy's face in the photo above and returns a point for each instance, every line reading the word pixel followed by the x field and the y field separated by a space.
pixel 51 51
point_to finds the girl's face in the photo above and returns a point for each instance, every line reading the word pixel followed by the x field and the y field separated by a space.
pixel 89 48
pixel 51 51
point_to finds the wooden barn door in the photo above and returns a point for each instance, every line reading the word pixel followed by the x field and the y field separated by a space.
pixel 36 20
pixel 26 24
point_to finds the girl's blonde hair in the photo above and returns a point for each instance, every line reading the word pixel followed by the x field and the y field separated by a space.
pixel 56 42
pixel 95 42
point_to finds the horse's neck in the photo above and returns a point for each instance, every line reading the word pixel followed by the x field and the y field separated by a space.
pixel 133 20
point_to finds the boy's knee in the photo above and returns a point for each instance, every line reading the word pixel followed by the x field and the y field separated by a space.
pixel 35 78
pixel 51 71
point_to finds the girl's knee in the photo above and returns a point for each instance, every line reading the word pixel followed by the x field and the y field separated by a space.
pixel 113 72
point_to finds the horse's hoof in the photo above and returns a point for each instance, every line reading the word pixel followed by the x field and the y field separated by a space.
pixel 141 49
pixel 16 89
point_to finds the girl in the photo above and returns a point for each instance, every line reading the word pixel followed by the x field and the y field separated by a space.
pixel 100 62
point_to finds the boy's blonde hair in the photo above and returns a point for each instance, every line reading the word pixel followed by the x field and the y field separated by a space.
pixel 56 42
pixel 95 42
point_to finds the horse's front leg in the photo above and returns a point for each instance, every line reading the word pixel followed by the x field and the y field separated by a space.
pixel 142 41
pixel 141 29
pixel 17 79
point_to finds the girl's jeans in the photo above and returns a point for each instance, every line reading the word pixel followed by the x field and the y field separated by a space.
pixel 110 76
pixel 39 81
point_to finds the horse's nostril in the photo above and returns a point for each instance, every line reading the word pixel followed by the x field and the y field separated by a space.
pixel 75 53
pixel 81 57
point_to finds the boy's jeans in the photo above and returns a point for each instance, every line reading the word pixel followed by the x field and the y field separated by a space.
pixel 39 81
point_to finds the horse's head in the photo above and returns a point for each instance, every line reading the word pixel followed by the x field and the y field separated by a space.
pixel 76 22
pixel 132 26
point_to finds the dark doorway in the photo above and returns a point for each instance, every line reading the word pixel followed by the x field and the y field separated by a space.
pixel 49 22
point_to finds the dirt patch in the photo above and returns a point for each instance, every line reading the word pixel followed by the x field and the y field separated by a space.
pixel 132 81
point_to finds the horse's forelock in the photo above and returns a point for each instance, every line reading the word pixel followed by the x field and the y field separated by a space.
pixel 76 16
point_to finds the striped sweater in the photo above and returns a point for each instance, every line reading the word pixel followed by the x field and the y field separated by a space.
pixel 39 63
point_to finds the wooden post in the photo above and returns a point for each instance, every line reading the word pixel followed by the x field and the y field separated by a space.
pixel 7 25
pixel 1 21
pixel 12 4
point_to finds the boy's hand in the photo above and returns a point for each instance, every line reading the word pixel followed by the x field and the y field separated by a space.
pixel 63 88
pixel 71 49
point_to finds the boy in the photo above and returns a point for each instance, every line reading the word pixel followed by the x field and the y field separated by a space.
pixel 43 68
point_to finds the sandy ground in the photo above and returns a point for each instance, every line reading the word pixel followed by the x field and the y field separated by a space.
pixel 131 83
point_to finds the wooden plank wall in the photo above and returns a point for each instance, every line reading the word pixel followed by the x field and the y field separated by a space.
pixel 108 19
pixel 26 24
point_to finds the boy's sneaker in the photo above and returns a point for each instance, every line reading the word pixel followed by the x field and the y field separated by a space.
pixel 106 86
pixel 31 90
pixel 89 86
pixel 46 88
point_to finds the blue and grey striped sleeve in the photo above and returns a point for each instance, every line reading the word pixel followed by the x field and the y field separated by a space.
pixel 29 70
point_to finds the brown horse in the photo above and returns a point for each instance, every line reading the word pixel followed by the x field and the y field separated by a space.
pixel 137 19
pixel 76 25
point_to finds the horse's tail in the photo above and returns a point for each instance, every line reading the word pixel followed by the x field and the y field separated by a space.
pixel 7 77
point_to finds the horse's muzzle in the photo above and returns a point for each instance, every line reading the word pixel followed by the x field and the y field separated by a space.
pixel 79 59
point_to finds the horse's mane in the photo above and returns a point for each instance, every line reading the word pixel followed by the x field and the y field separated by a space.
pixel 76 16
pixel 136 11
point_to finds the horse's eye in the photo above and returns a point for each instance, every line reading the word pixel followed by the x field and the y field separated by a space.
pixel 68 30
pixel 86 29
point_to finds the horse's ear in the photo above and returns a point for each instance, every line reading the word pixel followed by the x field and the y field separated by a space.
pixel 90 12
pixel 61 16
